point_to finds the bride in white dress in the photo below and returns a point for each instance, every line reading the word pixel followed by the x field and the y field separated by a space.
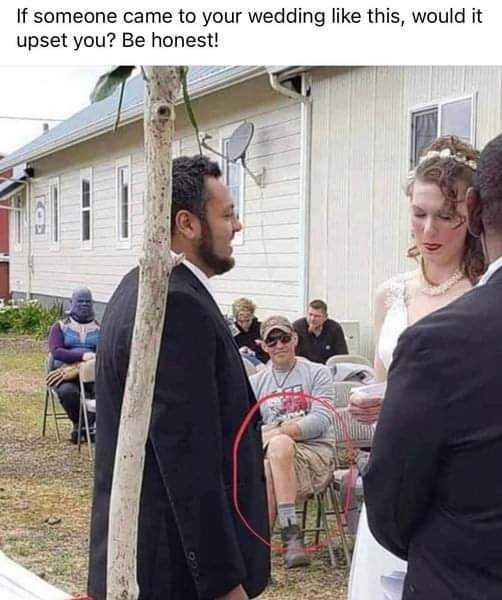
pixel 450 262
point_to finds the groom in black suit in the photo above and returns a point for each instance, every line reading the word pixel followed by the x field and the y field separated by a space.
pixel 433 485
pixel 192 543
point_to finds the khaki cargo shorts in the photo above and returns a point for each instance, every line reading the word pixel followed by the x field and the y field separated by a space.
pixel 314 466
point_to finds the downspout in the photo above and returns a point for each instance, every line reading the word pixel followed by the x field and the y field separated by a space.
pixel 29 261
pixel 305 178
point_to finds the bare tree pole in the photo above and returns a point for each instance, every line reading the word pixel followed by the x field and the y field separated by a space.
pixel 162 86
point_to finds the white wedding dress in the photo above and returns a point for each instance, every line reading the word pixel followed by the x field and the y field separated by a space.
pixel 370 560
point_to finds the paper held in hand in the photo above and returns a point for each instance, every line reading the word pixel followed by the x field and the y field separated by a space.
pixel 374 389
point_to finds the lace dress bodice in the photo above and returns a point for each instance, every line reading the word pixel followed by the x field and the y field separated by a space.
pixel 396 318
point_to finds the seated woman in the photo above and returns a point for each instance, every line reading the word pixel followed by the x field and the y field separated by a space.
pixel 73 340
pixel 248 331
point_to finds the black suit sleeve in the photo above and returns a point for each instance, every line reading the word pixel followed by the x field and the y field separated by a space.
pixel 402 472
pixel 340 343
pixel 187 437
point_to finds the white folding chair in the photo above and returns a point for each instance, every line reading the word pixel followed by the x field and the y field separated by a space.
pixel 348 358
pixel 87 405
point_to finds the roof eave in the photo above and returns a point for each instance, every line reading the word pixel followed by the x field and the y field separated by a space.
pixel 199 88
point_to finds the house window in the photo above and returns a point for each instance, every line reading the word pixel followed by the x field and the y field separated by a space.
pixel 453 117
pixel 86 206
pixel 233 176
pixel 123 202
pixel 55 203
pixel 18 220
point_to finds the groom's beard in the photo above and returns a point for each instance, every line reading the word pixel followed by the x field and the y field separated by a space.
pixel 205 250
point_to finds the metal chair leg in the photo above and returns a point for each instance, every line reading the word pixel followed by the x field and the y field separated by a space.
pixel 319 499
pixel 343 538
pixel 53 403
pixel 80 410
pixel 87 430
pixel 46 406
pixel 304 515
pixel 324 519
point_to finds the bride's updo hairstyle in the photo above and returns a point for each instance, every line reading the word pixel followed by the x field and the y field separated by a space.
pixel 451 164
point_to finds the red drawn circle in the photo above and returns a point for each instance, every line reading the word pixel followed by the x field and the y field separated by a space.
pixel 235 462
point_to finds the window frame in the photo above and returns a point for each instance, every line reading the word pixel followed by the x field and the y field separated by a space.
pixel 438 104
pixel 54 184
pixel 86 174
pixel 123 163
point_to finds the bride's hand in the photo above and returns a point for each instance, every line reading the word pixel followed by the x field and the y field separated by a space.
pixel 365 408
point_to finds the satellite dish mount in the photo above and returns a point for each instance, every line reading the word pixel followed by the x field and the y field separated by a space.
pixel 237 146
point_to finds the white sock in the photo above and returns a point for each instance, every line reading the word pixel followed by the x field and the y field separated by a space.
pixel 287 515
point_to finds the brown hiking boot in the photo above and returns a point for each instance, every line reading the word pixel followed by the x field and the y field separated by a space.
pixel 295 554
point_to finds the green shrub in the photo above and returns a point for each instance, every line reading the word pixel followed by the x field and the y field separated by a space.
pixel 28 317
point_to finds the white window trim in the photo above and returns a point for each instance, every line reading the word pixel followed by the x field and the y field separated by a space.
pixel 437 104
pixel 225 133
pixel 55 183
pixel 17 246
pixel 123 242
pixel 87 174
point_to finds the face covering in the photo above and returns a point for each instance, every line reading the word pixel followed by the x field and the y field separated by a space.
pixel 81 308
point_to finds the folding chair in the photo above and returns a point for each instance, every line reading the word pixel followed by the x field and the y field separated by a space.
pixel 349 434
pixel 87 405
pixel 345 428
pixel 322 499
pixel 51 401
pixel 249 367
pixel 348 358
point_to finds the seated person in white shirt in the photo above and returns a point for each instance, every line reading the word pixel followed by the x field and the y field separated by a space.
pixel 298 435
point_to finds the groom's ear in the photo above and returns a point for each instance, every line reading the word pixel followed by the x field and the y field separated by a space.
pixel 474 220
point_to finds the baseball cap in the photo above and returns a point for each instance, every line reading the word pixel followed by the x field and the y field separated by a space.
pixel 275 322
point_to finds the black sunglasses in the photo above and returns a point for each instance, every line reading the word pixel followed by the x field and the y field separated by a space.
pixel 284 338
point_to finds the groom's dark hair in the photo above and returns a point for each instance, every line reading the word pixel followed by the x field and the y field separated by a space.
pixel 488 183
pixel 189 174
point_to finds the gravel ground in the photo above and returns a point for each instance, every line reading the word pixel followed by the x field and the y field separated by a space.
pixel 45 491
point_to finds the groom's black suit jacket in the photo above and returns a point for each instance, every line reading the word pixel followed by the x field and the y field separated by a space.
pixel 433 485
pixel 192 543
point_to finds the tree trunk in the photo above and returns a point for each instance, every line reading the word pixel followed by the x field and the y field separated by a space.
pixel 161 91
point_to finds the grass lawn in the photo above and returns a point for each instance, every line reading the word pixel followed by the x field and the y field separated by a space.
pixel 45 490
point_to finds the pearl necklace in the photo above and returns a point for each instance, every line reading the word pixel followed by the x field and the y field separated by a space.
pixel 430 289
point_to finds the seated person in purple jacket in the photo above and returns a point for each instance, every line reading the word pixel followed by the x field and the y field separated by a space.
pixel 72 340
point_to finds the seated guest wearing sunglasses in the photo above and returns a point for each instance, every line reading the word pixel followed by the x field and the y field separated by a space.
pixel 297 430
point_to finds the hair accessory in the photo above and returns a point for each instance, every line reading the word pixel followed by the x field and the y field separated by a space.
pixel 447 153
pixel 444 153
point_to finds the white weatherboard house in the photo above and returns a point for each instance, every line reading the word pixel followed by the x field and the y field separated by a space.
pixel 331 220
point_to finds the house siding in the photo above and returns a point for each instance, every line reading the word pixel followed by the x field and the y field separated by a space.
pixel 267 261
pixel 360 149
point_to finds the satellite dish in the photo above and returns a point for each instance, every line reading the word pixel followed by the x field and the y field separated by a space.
pixel 236 149
pixel 239 142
